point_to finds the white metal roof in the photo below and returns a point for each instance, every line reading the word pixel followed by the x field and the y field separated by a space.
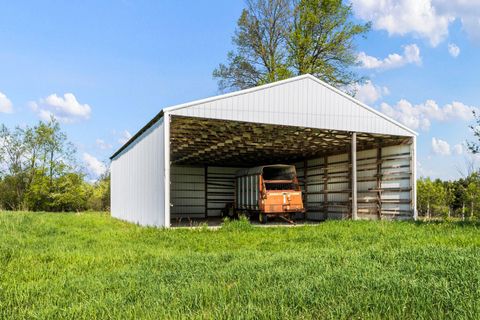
pixel 300 101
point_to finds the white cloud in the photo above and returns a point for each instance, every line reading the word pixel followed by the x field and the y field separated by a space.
pixel 411 54
pixel 368 92
pixel 458 149
pixel 94 166
pixel 407 114
pixel 428 19
pixel 65 109
pixel 440 147
pixel 125 136
pixel 6 105
pixel 400 17
pixel 102 144
pixel 420 116
pixel 467 11
pixel 453 49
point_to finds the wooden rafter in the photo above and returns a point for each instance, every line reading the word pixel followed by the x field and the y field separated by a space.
pixel 232 143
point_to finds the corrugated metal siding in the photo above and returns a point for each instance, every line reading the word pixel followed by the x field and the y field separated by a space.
pixel 387 169
pixel 312 187
pixel 138 186
pixel 221 188
pixel 338 186
pixel 396 181
pixel 367 181
pixel 302 102
pixel 248 192
pixel 187 192
pixel 300 167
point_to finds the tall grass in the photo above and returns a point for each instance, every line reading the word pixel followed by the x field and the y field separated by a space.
pixel 55 266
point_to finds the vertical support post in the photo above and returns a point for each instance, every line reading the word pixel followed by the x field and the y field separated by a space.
pixel 305 187
pixel 166 151
pixel 205 177
pixel 354 175
pixel 379 181
pixel 413 182
pixel 325 186
pixel 349 178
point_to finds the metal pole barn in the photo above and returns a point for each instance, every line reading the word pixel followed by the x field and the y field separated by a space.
pixel 159 174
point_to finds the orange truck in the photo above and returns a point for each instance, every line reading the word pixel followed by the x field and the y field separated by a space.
pixel 267 192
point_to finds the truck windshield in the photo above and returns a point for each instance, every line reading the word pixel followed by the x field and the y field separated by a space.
pixel 279 185
pixel 279 178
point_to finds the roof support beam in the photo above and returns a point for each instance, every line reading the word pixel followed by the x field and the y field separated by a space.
pixel 354 175
pixel 234 143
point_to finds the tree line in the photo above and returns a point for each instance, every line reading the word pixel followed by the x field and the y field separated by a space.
pixel 444 199
pixel 39 172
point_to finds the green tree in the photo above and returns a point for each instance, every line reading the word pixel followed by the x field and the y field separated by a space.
pixel 52 159
pixel 9 198
pixel 38 172
pixel 70 193
pixel 13 152
pixel 431 197
pixel 276 39
pixel 33 158
pixel 472 193
pixel 450 197
pixel 260 38
pixel 321 40
pixel 474 146
pixel 100 196
pixel 38 194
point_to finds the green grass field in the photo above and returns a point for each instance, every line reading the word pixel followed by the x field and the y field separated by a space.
pixel 92 266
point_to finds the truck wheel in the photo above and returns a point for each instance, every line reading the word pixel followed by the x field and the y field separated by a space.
pixel 229 211
pixel 262 218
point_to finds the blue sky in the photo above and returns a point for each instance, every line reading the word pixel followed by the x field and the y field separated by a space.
pixel 106 68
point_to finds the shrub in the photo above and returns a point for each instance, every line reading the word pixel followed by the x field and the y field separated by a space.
pixel 240 224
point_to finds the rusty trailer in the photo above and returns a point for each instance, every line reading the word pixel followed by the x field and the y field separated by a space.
pixel 268 191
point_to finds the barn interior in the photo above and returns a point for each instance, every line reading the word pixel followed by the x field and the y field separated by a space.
pixel 206 153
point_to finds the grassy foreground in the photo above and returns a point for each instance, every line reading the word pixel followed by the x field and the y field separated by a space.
pixel 92 266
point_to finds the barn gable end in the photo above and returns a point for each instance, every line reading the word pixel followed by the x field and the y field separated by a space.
pixel 302 101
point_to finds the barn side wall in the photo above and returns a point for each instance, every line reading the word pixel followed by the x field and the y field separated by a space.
pixel 192 185
pixel 138 184
pixel 384 182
